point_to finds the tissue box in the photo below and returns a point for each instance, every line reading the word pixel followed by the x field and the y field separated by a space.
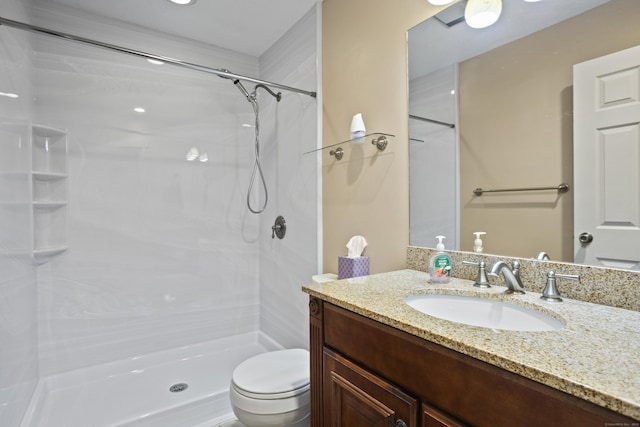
pixel 352 267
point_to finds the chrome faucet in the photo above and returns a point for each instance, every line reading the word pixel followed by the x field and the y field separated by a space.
pixel 511 277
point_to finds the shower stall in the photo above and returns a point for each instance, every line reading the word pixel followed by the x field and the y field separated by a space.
pixel 133 276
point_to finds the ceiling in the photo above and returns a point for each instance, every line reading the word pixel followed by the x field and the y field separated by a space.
pixel 246 26
pixel 433 45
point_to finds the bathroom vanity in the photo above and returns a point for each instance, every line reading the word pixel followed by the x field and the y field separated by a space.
pixel 377 361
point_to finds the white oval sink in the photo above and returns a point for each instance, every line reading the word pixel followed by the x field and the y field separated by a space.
pixel 486 313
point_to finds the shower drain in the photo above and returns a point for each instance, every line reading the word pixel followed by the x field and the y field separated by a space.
pixel 177 388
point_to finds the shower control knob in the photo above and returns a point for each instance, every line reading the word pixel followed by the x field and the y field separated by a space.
pixel 279 228
pixel 585 238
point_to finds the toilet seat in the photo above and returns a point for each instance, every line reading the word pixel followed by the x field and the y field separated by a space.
pixel 271 396
pixel 273 375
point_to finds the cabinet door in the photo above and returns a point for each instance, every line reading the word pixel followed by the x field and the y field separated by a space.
pixel 355 397
pixel 432 417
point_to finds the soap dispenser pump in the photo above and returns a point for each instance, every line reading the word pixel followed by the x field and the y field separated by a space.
pixel 477 244
pixel 440 264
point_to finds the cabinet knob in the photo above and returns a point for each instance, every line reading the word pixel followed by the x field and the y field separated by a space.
pixel 400 423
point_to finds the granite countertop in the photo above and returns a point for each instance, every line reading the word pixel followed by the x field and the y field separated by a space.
pixel 595 357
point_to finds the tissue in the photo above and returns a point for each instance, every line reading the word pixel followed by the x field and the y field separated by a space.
pixel 355 246
pixel 354 264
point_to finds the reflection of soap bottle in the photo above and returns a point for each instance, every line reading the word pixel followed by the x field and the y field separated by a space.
pixel 440 264
pixel 477 244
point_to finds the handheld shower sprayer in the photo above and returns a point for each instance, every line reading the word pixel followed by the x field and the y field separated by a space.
pixel 251 97
pixel 244 91
pixel 257 169
pixel 238 84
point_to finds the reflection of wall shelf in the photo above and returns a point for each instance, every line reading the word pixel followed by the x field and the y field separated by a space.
pixel 380 140
pixel 49 191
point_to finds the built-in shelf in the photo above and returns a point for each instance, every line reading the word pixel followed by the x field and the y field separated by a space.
pixel 49 191
pixel 378 139
pixel 49 150
pixel 47 176
pixel 46 252
pixel 49 205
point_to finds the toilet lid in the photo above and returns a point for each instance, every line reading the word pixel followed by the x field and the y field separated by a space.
pixel 274 372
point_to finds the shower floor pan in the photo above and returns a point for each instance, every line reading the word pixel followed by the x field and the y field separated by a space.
pixel 182 387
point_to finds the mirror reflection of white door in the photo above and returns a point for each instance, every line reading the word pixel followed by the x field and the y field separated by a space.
pixel 606 99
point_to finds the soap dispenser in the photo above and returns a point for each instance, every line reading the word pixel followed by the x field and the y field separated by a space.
pixel 440 264
pixel 477 244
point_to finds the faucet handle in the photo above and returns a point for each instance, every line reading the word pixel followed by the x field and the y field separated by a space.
pixel 516 269
pixel 481 279
pixel 550 292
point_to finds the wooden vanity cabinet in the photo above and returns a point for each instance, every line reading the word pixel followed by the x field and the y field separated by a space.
pixel 364 373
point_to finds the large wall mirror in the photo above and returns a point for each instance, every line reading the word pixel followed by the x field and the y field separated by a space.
pixel 493 108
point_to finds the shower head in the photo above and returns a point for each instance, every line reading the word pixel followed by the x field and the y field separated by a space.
pixel 222 76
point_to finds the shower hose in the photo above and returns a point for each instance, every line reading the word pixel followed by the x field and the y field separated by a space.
pixel 257 168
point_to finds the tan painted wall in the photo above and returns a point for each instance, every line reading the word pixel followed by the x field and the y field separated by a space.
pixel 529 139
pixel 364 66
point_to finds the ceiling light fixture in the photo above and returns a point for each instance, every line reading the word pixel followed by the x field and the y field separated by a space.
pixel 9 95
pixel 439 2
pixel 183 2
pixel 482 13
pixel 139 110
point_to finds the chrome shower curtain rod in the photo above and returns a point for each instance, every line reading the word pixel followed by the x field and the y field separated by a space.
pixel 218 72
pixel 424 119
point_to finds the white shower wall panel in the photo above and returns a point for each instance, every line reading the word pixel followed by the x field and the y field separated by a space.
pixel 290 130
pixel 162 250
pixel 18 287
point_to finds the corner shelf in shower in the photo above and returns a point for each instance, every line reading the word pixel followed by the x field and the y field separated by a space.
pixel 40 254
pixel 378 139
pixel 49 191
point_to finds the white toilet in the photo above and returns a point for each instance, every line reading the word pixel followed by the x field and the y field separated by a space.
pixel 272 389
